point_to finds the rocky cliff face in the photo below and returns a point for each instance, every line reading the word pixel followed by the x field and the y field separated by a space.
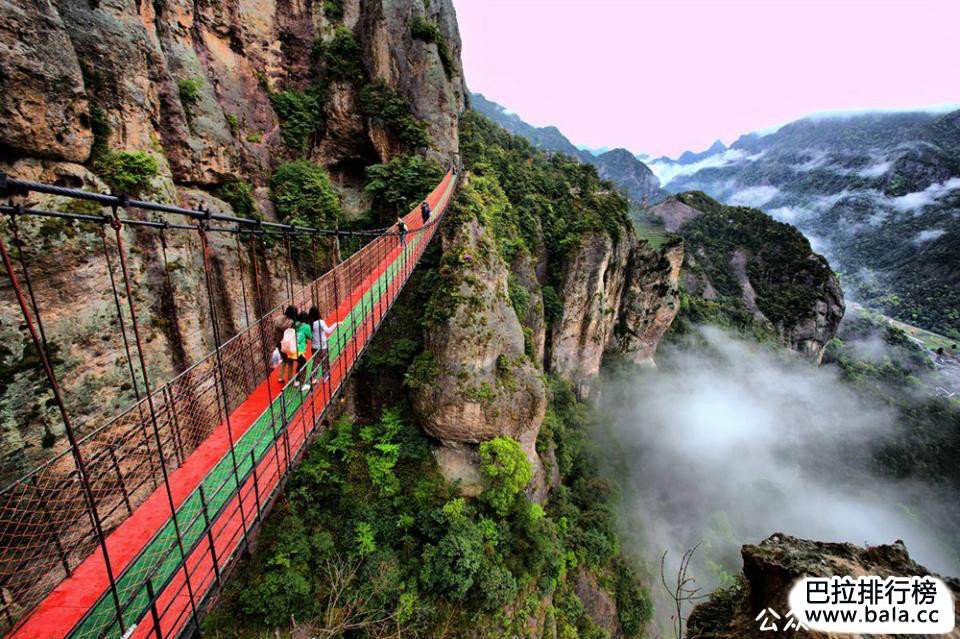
pixel 755 272
pixel 483 385
pixel 193 81
pixel 770 570
pixel 619 299
pixel 486 350
pixel 204 90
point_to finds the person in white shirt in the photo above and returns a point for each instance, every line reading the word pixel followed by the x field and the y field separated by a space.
pixel 321 335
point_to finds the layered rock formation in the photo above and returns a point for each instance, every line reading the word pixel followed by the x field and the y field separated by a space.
pixel 484 386
pixel 619 298
pixel 756 271
pixel 770 570
pixel 481 374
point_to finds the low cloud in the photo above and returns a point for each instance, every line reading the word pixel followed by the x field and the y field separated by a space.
pixel 875 170
pixel 919 199
pixel 755 196
pixel 729 442
pixel 668 170
pixel 791 214
pixel 928 235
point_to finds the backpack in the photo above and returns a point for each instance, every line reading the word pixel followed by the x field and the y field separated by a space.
pixel 288 345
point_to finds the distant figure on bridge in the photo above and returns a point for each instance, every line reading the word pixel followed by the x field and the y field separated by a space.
pixel 286 339
pixel 304 334
pixel 402 230
pixel 425 211
pixel 321 335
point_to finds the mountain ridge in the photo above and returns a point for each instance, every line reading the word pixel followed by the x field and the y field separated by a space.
pixel 618 165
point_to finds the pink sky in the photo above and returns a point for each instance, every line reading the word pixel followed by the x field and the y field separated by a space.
pixel 663 76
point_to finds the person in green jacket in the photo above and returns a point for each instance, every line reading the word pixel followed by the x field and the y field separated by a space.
pixel 304 335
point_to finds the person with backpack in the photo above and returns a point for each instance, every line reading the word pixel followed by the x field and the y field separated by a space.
pixel 402 231
pixel 286 339
pixel 321 334
pixel 425 211
pixel 304 334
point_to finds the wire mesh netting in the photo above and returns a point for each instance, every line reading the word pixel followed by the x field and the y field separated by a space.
pixel 47 525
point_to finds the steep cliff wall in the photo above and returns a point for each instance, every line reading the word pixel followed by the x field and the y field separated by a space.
pixel 620 297
pixel 211 97
pixel 530 286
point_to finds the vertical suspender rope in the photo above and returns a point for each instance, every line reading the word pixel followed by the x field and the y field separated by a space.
pixel 68 427
pixel 116 304
pixel 205 247
pixel 316 270
pixel 336 306
pixel 289 250
pixel 15 229
pixel 249 377
pixel 126 349
pixel 117 228
pixel 243 286
pixel 267 351
pixel 167 391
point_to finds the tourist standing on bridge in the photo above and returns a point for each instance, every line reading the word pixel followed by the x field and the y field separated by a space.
pixel 402 231
pixel 321 335
pixel 286 339
pixel 425 211
pixel 304 334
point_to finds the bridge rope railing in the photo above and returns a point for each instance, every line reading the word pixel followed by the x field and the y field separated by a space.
pixel 53 518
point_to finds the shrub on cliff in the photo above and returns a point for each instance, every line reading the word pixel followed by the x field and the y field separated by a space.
pixel 507 471
pixel 399 185
pixel 127 172
pixel 239 195
pixel 302 194
pixel 189 89
pixel 339 59
pixel 301 118
pixel 388 108
pixel 428 32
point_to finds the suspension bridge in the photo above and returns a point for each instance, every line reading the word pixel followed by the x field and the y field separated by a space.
pixel 131 529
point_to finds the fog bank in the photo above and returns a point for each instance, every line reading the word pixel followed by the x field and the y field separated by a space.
pixel 728 442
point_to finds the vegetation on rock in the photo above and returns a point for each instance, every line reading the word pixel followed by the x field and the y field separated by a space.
pixel 428 32
pixel 127 172
pixel 400 185
pixel 239 195
pixel 301 118
pixel 388 108
pixel 369 529
pixel 302 194
pixel 190 92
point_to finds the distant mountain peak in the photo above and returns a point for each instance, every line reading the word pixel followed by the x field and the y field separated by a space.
pixel 689 157
pixel 619 165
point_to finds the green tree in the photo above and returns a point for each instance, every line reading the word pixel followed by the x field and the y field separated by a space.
pixel 507 471
pixel 401 184
pixel 389 109
pixel 302 194
pixel 301 118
